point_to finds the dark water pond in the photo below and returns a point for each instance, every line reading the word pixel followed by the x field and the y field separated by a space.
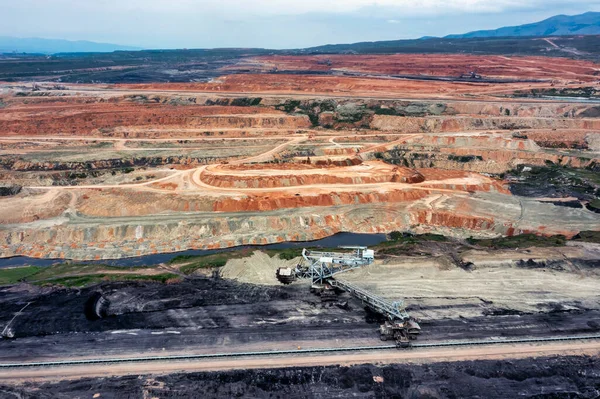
pixel 333 241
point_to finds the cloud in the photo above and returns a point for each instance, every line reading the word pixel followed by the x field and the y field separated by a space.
pixel 407 7
pixel 295 7
pixel 267 23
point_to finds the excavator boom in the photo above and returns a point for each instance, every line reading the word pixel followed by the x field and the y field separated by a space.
pixel 321 267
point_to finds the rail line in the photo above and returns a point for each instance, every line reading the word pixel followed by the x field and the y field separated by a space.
pixel 291 352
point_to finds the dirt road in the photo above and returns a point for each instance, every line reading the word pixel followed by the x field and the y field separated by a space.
pixel 514 351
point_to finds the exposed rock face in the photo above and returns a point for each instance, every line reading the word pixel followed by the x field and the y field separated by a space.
pixel 524 110
pixel 593 141
pixel 576 139
pixel 339 151
pixel 345 113
pixel 482 215
pixel 496 141
pixel 441 124
pixel 291 180
pixel 110 203
pixel 27 207
pixel 105 119
pixel 267 203
pixel 374 172
pixel 19 165
pixel 160 168
pixel 489 153
pixel 6 191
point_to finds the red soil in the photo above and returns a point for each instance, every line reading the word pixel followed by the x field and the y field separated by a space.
pixel 533 158
pixel 552 71
pixel 452 220
pixel 81 119
pixel 440 65
pixel 273 201
pixel 335 85
pixel 284 166
pixel 273 178
pixel 552 139
pixel 339 151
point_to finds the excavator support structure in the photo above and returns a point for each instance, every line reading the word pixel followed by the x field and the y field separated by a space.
pixel 321 267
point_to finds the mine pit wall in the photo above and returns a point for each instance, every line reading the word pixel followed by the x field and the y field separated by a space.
pixel 494 141
pixel 25 208
pixel 483 215
pixel 525 110
pixel 25 166
pixel 110 203
pixel 576 139
pixel 267 203
pixel 184 133
pixel 288 181
pixel 490 154
pixel 494 161
pixel 212 112
pixel 100 125
pixel 339 110
pixel 236 181
pixel 339 151
pixel 515 107
pixel 459 124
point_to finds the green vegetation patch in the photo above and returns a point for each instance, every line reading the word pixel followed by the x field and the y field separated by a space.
pixel 102 144
pixel 246 102
pixel 397 236
pixel 400 243
pixel 289 106
pixel 586 92
pixel 91 279
pixel 311 109
pixel 17 274
pixel 379 110
pixel 70 269
pixel 594 204
pixel 204 264
pixel 285 254
pixel 588 236
pixel 520 241
pixel 191 263
pixel 465 158
pixel 76 275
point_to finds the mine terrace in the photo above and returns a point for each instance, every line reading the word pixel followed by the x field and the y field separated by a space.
pixel 295 157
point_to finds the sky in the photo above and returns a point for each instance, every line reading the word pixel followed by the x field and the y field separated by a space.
pixel 273 24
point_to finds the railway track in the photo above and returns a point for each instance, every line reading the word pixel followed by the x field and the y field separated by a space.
pixel 293 352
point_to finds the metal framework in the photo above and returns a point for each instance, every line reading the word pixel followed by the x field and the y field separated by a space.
pixel 320 266
pixel 392 310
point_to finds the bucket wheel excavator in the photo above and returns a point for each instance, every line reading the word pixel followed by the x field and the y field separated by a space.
pixel 322 267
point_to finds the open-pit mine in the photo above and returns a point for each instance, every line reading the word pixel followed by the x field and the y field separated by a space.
pixel 487 186
pixel 110 171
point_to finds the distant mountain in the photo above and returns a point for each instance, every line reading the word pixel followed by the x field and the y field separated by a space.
pixel 582 46
pixel 559 25
pixel 52 46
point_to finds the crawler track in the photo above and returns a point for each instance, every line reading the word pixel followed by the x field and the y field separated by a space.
pixel 291 352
